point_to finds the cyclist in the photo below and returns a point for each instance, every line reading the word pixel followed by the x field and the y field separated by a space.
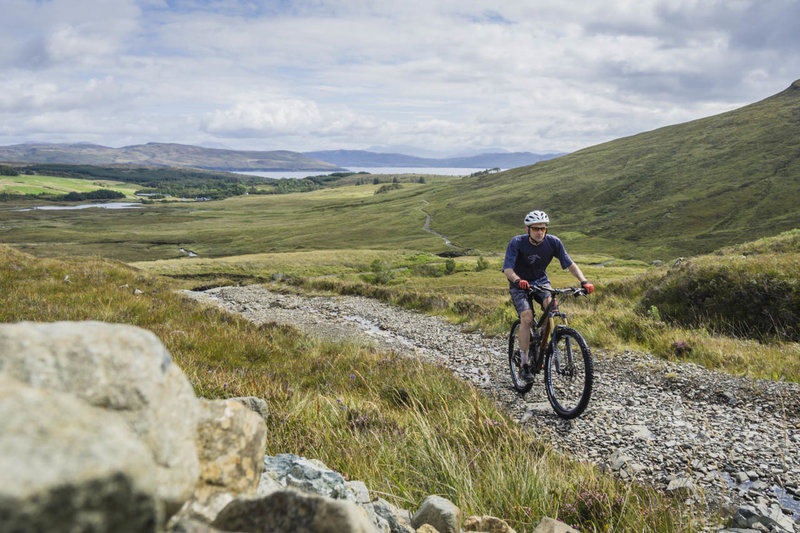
pixel 525 264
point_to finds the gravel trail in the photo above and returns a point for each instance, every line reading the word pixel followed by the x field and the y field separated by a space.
pixel 705 435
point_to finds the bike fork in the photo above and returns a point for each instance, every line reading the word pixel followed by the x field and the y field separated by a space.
pixel 560 360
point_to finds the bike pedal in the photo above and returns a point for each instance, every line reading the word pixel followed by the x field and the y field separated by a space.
pixel 526 374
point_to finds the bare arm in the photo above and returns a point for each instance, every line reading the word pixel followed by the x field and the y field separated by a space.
pixel 511 275
pixel 575 270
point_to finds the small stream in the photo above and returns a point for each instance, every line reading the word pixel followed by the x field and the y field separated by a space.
pixel 371 327
pixel 110 205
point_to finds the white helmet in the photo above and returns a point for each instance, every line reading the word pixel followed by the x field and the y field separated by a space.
pixel 536 217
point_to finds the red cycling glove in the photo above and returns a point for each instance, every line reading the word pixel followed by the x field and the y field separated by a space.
pixel 588 286
pixel 523 284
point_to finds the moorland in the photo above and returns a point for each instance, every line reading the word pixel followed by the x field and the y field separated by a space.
pixel 677 227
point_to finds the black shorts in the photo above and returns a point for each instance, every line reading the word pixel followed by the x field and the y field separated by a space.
pixel 520 298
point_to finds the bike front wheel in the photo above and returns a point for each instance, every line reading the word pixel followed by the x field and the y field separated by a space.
pixel 520 385
pixel 568 372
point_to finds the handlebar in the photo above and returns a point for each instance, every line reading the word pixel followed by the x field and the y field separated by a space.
pixel 574 291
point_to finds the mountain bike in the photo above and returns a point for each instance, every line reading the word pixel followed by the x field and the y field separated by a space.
pixel 560 351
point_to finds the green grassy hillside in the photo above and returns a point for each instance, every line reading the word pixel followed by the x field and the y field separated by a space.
pixel 679 190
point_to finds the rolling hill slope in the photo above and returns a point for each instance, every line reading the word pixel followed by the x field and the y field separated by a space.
pixel 679 190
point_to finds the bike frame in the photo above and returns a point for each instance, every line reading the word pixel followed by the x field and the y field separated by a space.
pixel 546 324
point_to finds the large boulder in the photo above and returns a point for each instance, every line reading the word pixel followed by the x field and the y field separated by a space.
pixel 257 405
pixel 289 511
pixel 287 470
pixel 313 477
pixel 68 466
pixel 549 525
pixel 398 520
pixel 231 442
pixel 440 513
pixel 487 524
pixel 120 368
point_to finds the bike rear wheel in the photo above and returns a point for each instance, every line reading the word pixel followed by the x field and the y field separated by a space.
pixel 520 385
pixel 568 372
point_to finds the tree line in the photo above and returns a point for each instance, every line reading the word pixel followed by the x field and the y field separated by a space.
pixel 183 182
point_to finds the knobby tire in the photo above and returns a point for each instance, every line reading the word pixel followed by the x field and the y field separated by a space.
pixel 568 372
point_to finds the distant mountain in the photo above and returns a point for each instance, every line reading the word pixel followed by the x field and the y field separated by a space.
pixel 163 154
pixel 412 150
pixel 362 158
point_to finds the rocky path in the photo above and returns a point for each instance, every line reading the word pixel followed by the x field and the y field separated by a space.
pixel 715 439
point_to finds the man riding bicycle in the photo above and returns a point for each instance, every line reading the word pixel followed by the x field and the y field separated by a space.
pixel 526 261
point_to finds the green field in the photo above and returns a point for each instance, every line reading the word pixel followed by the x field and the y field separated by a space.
pixel 336 218
pixel 35 184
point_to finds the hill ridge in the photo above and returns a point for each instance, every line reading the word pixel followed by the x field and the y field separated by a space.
pixel 162 154
pixel 366 158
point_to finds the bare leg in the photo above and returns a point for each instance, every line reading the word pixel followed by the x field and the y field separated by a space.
pixel 526 319
pixel 546 327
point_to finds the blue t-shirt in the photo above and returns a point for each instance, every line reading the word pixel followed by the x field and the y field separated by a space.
pixel 530 262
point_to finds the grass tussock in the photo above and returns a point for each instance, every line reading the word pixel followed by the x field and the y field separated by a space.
pixel 615 322
pixel 407 429
pixel 754 296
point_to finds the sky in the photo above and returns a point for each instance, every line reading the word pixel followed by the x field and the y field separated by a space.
pixel 425 77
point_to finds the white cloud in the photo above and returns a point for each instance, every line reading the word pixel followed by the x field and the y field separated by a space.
pixel 265 118
pixel 447 75
pixel 65 33
pixel 27 94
